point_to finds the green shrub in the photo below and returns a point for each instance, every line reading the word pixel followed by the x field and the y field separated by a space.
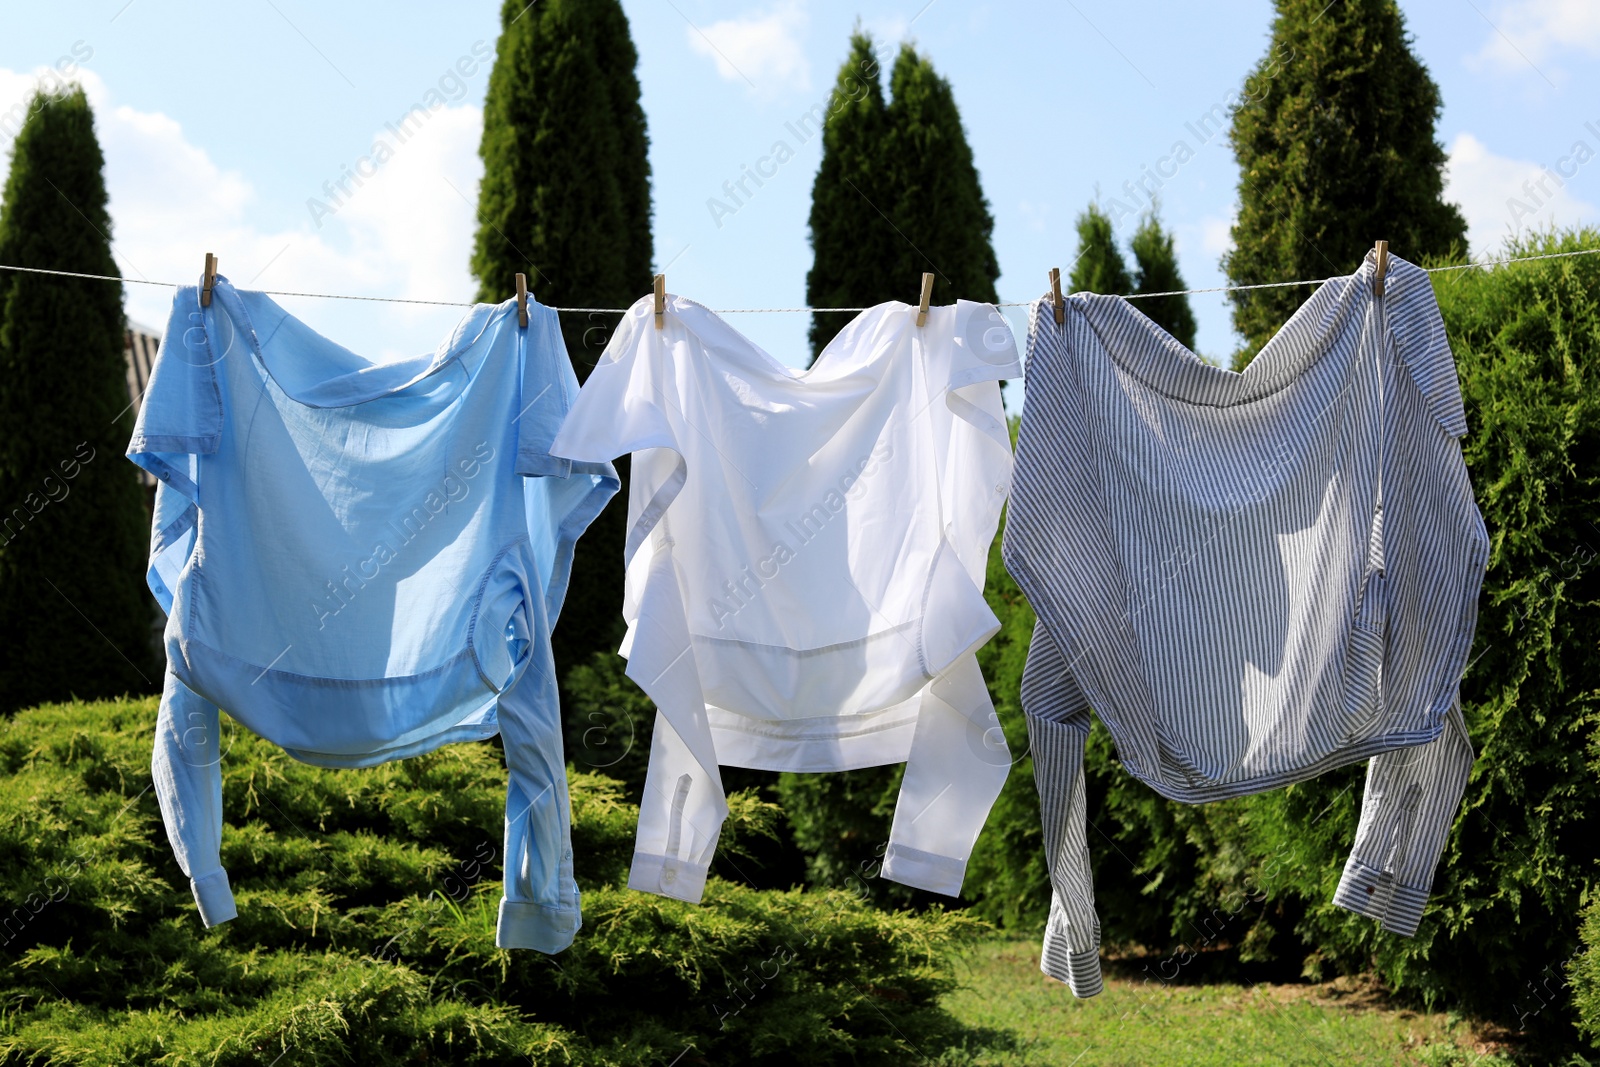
pixel 366 926
pixel 1584 974
pixel 840 822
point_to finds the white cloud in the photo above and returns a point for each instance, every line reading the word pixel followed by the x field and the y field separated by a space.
pixel 417 212
pixel 1532 31
pixel 1216 234
pixel 887 31
pixel 405 231
pixel 764 51
pixel 1501 196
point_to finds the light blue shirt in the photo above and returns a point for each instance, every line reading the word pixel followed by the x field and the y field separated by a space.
pixel 363 562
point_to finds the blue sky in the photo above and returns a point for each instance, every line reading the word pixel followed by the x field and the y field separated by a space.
pixel 221 123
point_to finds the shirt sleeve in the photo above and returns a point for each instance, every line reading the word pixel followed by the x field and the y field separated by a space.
pixel 540 908
pixel 958 764
pixel 982 347
pixel 959 759
pixel 1058 728
pixel 621 407
pixel 625 407
pixel 180 419
pixel 1409 804
pixel 630 403
pixel 549 389
pixel 1422 346
pixel 975 463
pixel 186 769
pixel 683 808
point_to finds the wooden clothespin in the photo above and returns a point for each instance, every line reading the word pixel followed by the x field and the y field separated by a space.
pixel 1381 249
pixel 661 301
pixel 922 302
pixel 522 300
pixel 208 280
pixel 1055 290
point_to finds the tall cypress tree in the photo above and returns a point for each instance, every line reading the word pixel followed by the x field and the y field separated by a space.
pixel 939 203
pixel 1099 267
pixel 1156 271
pixel 565 199
pixel 618 62
pixel 1336 149
pixel 565 196
pixel 851 235
pixel 74 615
pixel 897 195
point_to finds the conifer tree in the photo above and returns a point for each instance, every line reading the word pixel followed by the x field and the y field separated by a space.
pixel 897 195
pixel 851 236
pixel 565 196
pixel 1156 271
pixel 939 201
pixel 1099 267
pixel 75 619
pixel 565 199
pixel 618 63
pixel 1336 149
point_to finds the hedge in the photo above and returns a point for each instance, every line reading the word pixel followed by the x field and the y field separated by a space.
pixel 366 926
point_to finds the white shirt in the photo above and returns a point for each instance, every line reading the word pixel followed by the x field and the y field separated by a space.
pixel 805 566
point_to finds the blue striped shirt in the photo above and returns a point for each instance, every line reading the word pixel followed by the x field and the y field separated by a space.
pixel 1252 578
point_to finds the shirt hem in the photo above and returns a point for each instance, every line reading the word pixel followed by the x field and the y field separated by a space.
pixel 1374 746
pixel 810 745
pixel 284 702
pixel 1036 592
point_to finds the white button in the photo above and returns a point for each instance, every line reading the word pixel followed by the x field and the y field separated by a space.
pixel 669 876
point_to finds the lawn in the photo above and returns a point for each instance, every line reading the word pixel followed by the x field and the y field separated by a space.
pixel 1142 1020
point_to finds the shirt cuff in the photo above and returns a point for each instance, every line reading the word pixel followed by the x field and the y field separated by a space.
pixel 1079 968
pixel 924 870
pixel 215 898
pixel 668 877
pixel 525 924
pixel 1368 891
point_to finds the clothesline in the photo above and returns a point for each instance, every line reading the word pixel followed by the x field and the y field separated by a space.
pixel 776 311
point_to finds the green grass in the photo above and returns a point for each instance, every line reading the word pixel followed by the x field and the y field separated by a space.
pixel 1140 1020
